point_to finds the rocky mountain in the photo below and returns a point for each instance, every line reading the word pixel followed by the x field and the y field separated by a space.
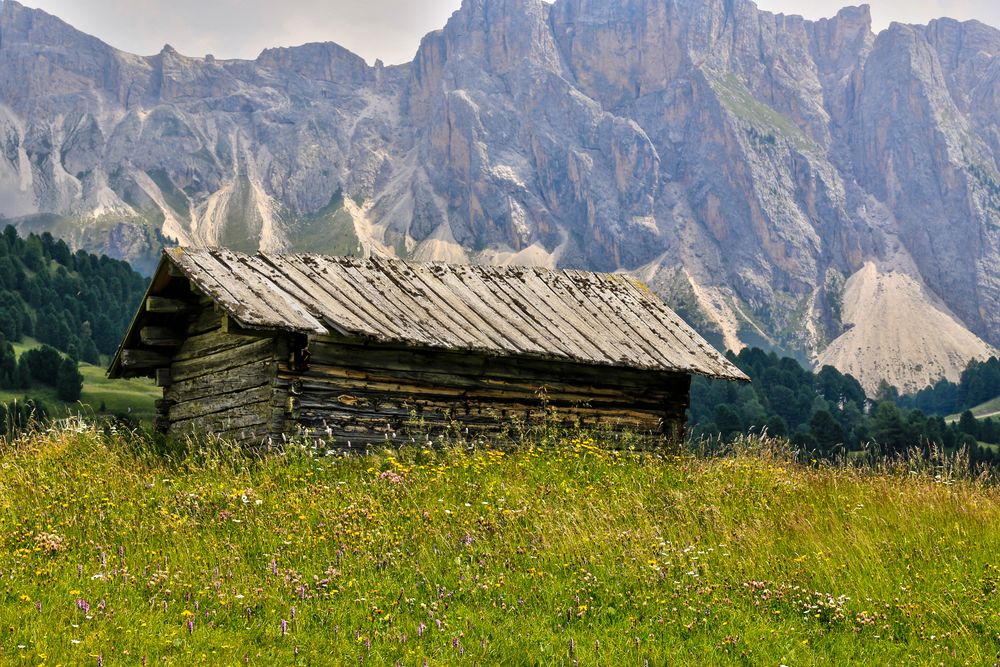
pixel 811 186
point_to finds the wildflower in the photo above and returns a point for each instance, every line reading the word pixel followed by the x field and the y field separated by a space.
pixel 49 543
pixel 100 660
pixel 190 625
pixel 284 627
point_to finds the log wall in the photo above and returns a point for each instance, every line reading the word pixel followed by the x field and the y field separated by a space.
pixel 374 393
pixel 223 383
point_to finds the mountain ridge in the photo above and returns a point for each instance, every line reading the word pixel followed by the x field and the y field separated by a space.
pixel 749 166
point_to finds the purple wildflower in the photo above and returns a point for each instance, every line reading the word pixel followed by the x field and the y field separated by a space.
pixel 100 660
pixel 190 626
pixel 284 627
pixel 420 630
pixel 293 612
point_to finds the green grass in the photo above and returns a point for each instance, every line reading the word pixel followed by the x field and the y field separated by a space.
pixel 134 398
pixel 982 411
pixel 330 231
pixel 467 556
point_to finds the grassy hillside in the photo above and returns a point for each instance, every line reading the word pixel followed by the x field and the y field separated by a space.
pixel 125 397
pixel 988 409
pixel 535 556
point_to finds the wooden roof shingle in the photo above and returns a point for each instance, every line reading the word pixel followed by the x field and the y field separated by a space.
pixel 603 319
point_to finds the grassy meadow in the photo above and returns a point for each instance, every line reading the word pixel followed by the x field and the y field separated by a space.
pixel 131 398
pixel 117 551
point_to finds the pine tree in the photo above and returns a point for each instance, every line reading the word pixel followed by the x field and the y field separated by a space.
pixel 69 381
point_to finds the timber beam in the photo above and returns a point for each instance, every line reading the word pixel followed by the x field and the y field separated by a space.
pixel 159 304
pixel 160 337
pixel 143 360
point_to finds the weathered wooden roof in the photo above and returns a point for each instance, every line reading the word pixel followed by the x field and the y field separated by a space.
pixel 508 311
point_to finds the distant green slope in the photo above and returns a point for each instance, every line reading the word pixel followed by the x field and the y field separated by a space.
pixel 133 398
pixel 989 409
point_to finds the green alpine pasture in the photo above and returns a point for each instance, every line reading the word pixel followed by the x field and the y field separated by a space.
pixel 122 550
pixel 133 399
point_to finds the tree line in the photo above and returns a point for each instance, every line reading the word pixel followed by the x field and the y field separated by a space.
pixel 75 302
pixel 829 413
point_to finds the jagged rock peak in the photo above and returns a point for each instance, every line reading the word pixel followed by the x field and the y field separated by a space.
pixel 321 61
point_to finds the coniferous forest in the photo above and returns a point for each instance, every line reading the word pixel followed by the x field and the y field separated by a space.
pixel 76 304
pixel 828 413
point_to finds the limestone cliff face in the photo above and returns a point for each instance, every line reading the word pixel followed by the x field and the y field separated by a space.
pixel 780 181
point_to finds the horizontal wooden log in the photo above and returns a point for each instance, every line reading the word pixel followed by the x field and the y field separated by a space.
pixel 205 320
pixel 240 428
pixel 160 337
pixel 241 378
pixel 256 401
pixel 450 364
pixel 325 381
pixel 231 358
pixel 163 305
pixel 204 345
pixel 143 359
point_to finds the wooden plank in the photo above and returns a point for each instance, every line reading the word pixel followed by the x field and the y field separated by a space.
pixel 142 359
pixel 423 384
pixel 383 318
pixel 207 344
pixel 290 311
pixel 161 337
pixel 475 290
pixel 163 305
pixel 408 282
pixel 403 358
pixel 571 308
pixel 342 292
pixel 218 405
pixel 625 306
pixel 220 361
pixel 548 319
pixel 240 378
pixel 487 333
pixel 206 320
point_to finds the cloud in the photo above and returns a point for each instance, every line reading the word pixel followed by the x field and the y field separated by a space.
pixel 386 29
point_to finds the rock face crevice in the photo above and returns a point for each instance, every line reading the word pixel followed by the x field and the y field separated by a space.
pixel 780 181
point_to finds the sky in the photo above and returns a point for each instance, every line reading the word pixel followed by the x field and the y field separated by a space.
pixel 386 29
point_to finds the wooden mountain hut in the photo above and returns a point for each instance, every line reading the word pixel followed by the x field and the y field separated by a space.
pixel 354 350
